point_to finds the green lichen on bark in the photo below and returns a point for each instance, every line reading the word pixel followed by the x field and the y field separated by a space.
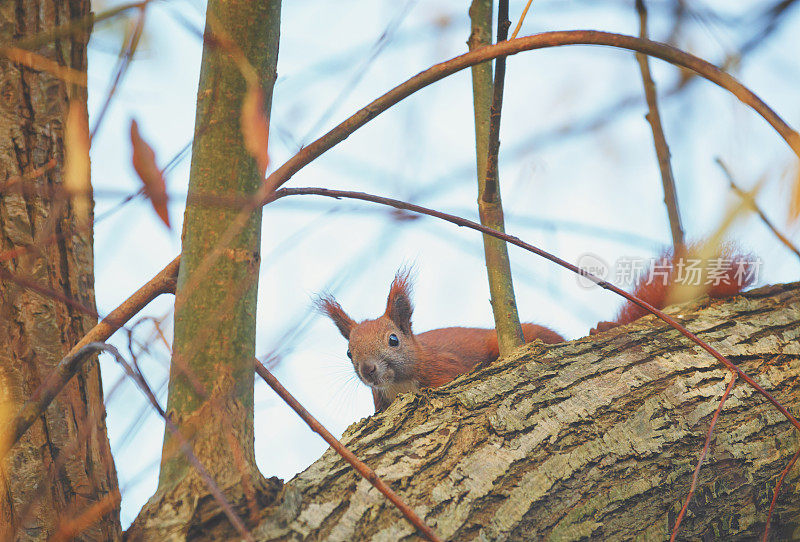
pixel 211 375
pixel 215 316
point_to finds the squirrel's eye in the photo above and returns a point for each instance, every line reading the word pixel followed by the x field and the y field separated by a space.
pixel 393 340
pixel 349 355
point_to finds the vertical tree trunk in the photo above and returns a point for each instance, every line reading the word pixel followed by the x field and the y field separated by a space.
pixel 63 464
pixel 211 376
pixel 498 266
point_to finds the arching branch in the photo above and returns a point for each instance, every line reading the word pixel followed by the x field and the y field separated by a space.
pixel 546 255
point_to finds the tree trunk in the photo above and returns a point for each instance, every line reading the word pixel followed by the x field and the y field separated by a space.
pixel 62 467
pixel 211 375
pixel 590 439
pixel 498 266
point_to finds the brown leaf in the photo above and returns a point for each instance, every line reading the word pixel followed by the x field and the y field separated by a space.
pixel 77 180
pixel 144 162
pixel 794 202
pixel 255 127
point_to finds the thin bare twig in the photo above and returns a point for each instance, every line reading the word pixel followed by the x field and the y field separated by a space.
pixel 491 177
pixel 703 453
pixel 283 192
pixel 487 97
pixel 521 19
pixel 778 485
pixel 69 366
pixel 659 140
pixel 123 62
pixel 185 447
pixel 346 454
pixel 385 38
pixel 483 54
pixel 754 206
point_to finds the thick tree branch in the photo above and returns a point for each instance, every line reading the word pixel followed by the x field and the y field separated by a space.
pixel 283 192
pixel 589 439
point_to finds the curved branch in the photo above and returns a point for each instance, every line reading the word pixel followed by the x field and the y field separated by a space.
pixel 538 41
pixel 653 117
pixel 458 221
pixel 440 71
pixel 73 362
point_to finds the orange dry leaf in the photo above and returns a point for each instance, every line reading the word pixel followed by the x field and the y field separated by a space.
pixel 144 162
pixel 76 160
pixel 7 412
pixel 794 203
pixel 255 127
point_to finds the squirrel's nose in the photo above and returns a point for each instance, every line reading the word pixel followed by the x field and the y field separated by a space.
pixel 368 368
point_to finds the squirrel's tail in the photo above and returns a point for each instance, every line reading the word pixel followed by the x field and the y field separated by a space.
pixel 676 278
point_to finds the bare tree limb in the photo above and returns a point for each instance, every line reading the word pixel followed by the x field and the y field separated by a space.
pixel 778 485
pixel 69 366
pixel 754 206
pixel 346 454
pixel 487 96
pixel 659 140
pixel 283 192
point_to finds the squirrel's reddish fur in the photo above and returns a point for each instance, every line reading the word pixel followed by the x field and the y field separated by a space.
pixel 391 359
pixel 724 276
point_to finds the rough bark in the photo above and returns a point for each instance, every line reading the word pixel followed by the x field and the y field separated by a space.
pixel 211 375
pixel 590 439
pixel 62 466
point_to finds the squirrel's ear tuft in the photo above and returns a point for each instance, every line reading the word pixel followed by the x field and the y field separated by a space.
pixel 328 305
pixel 398 304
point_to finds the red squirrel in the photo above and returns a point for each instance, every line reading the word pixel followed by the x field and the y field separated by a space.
pixel 389 358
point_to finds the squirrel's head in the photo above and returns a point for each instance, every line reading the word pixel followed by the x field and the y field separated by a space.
pixel 382 350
